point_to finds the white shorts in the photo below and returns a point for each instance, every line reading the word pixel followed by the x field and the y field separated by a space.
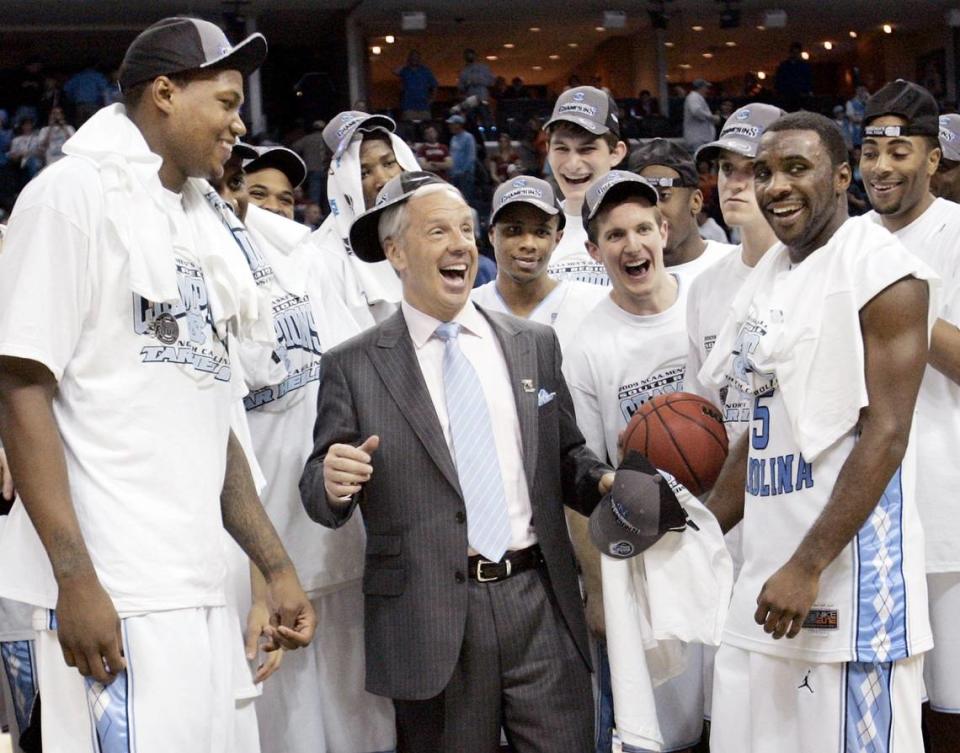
pixel 316 701
pixel 941 666
pixel 177 692
pixel 763 703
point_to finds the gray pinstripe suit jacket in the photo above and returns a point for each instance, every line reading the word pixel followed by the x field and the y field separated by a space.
pixel 416 556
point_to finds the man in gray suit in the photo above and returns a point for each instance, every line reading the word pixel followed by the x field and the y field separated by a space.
pixel 453 430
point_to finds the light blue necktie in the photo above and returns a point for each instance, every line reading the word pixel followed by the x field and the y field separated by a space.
pixel 475 453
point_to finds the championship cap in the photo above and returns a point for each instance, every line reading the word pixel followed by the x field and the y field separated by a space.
pixel 526 190
pixel 742 131
pixel 637 512
pixel 364 235
pixel 178 45
pixel 280 158
pixel 667 153
pixel 618 183
pixel 950 137
pixel 589 108
pixel 907 100
pixel 338 133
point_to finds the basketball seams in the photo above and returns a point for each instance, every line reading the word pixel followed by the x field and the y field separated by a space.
pixel 676 445
pixel 722 445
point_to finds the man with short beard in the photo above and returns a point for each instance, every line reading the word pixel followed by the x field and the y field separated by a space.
pixel 900 157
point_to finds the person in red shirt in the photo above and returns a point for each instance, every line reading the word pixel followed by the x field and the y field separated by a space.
pixel 432 155
pixel 506 162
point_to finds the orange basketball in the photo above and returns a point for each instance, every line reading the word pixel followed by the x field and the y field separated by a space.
pixel 682 434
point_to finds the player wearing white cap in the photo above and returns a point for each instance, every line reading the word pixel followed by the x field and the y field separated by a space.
pixel 630 348
pixel 117 382
pixel 584 145
pixel 899 158
pixel 525 225
pixel 822 646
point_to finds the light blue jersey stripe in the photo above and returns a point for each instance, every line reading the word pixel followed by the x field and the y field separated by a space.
pixel 869 718
pixel 108 709
pixel 881 630
pixel 22 677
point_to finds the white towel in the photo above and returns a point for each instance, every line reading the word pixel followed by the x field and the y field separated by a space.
pixel 816 357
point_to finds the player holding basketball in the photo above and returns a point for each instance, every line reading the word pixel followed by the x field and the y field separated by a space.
pixel 821 648
pixel 525 225
pixel 630 348
pixel 584 146
pixel 900 156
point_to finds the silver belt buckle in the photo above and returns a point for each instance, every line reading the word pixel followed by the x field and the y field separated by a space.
pixel 481 563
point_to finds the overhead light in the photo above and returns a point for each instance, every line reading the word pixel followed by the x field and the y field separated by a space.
pixel 534 28
pixel 491 57
pixel 376 49
pixel 761 27
pixel 887 29
pixel 775 19
pixel 554 57
pixel 761 75
pixel 853 35
pixel 805 55
pixel 509 45
pixel 413 20
pixel 572 44
pixel 828 45
pixel 614 19
pixel 598 28
pixel 697 27
pixel 708 55
pixel 538 67
pixel 685 65
pixel 390 39
pixel 730 44
pixel 668 44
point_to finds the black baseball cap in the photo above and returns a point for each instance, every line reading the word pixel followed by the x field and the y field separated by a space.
pixel 339 131
pixel 588 107
pixel 907 100
pixel 178 45
pixel 526 189
pixel 616 184
pixel 364 232
pixel 637 512
pixel 280 158
pixel 669 154
pixel 244 151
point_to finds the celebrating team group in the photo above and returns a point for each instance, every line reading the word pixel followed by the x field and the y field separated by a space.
pixel 293 491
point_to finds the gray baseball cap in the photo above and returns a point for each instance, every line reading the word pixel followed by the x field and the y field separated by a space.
pixel 526 190
pixel 950 137
pixel 589 108
pixel 280 158
pixel 364 232
pixel 637 512
pixel 618 183
pixel 178 45
pixel 339 131
pixel 742 131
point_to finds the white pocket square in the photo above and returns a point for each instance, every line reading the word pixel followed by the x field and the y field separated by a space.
pixel 544 397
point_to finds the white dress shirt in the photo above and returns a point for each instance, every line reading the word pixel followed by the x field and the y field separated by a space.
pixel 479 344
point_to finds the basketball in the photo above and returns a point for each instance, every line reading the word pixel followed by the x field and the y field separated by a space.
pixel 682 434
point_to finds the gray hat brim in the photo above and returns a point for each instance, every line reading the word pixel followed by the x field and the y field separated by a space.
pixel 543 206
pixel 622 191
pixel 584 123
pixel 245 57
pixel 712 150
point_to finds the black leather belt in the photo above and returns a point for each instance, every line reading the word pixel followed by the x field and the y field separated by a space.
pixel 485 571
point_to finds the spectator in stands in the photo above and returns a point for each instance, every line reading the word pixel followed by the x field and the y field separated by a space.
pixel 6 138
pixel 847 128
pixel 313 149
pixel 648 106
pixel 726 109
pixel 432 155
pixel 419 85
pixel 475 78
pixel 699 122
pixel 794 79
pixel 506 162
pixel 516 90
pixel 51 97
pixel 86 91
pixel 27 92
pixel 463 151
pixel 25 151
pixel 856 108
pixel 629 125
pixel 54 135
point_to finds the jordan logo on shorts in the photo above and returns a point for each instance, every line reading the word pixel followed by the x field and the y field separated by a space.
pixel 806 682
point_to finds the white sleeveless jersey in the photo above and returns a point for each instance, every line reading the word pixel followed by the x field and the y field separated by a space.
pixel 871 605
pixel 564 308
pixel 935 238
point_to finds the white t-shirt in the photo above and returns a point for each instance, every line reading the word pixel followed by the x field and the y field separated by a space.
pixel 281 418
pixel 708 305
pixel 871 605
pixel 618 362
pixel 714 252
pixel 143 401
pixel 564 308
pixel 571 260
pixel 935 238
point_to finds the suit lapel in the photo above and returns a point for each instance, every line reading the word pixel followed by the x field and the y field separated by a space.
pixel 519 351
pixel 395 360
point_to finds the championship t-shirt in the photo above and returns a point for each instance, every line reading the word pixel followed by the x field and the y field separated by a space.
pixel 714 252
pixel 564 308
pixel 142 405
pixel 571 260
pixel 620 360
pixel 871 605
pixel 935 238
